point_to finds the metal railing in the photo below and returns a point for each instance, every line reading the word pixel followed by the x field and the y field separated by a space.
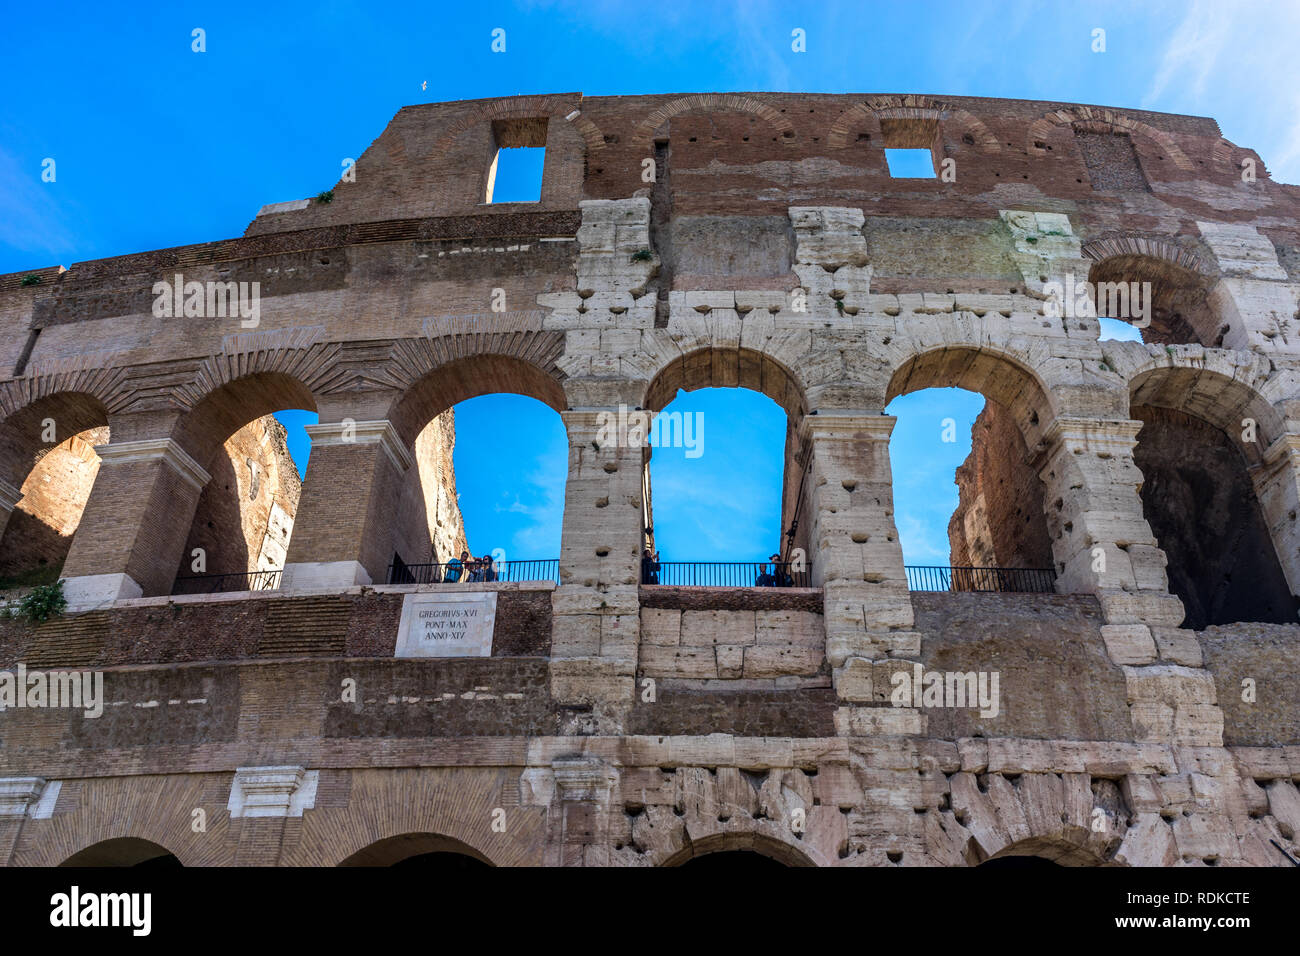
pixel 217 583
pixel 473 572
pixel 939 578
pixel 725 574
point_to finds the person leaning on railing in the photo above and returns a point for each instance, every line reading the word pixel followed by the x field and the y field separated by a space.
pixel 455 568
pixel 777 577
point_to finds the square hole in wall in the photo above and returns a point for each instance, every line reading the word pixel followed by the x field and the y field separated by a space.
pixel 516 175
pixel 910 163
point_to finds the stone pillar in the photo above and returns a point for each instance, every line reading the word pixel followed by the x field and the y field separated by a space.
pixel 23 798
pixel 1100 539
pixel 858 561
pixel 1103 545
pixel 580 828
pixel 596 606
pixel 342 533
pixel 1252 302
pixel 9 498
pixel 1277 485
pixel 262 799
pixel 135 524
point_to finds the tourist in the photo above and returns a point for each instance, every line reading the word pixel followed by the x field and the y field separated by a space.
pixel 455 568
pixel 649 567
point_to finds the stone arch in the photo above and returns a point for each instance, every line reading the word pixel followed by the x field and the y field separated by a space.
pixel 244 514
pixel 719 365
pixel 877 108
pixel 100 376
pixel 296 353
pixel 1211 386
pixel 395 849
pixel 44 485
pixel 122 852
pixel 713 103
pixel 1100 120
pixel 434 809
pixel 1046 850
pixel 1211 498
pixel 1180 282
pixel 1001 519
pixel 788 853
pixel 716 365
pixel 99 810
pixel 430 387
pixel 1167 250
pixel 1000 376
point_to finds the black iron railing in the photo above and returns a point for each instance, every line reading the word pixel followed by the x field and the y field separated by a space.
pixel 218 583
pixel 937 578
pixel 725 574
pixel 473 572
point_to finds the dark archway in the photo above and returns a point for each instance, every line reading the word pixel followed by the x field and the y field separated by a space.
pixel 125 852
pixel 1198 497
pixel 419 850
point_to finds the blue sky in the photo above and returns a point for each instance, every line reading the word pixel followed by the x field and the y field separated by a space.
pixel 158 146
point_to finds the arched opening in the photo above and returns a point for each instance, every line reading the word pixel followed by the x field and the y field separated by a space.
pixel 733 861
pixel 724 474
pixel 1167 302
pixel 1199 499
pixel 485 500
pixel 424 851
pixel 239 534
pixel 1040 853
pixel 48 463
pixel 1019 863
pixel 970 416
pixel 738 851
pixel 125 852
pixel 1200 451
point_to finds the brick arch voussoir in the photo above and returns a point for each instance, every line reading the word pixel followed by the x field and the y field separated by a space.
pixel 1103 120
pixel 1215 386
pixel 1110 245
pixel 526 107
pixel 873 110
pixel 96 376
pixel 312 363
pixel 671 364
pixel 769 838
pixel 142 808
pixel 1016 375
pixel 393 804
pixel 644 133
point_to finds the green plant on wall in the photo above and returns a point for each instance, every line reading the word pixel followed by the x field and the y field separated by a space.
pixel 40 603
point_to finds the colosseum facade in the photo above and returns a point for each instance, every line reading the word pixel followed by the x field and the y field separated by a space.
pixel 1147 698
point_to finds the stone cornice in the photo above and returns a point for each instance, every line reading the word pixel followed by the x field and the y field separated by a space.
pixel 153 449
pixel 846 424
pixel 379 432
pixel 1282 445
pixel 1116 435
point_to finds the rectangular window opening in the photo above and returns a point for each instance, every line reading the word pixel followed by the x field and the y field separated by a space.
pixel 516 175
pixel 910 163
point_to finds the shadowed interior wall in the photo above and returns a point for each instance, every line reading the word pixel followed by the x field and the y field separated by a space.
pixel 999 521
pixel 1201 504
